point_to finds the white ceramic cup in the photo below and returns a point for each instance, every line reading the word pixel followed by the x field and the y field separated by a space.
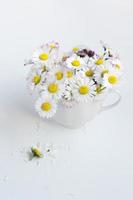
pixel 79 114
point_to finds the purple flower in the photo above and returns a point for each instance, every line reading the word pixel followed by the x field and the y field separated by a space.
pixel 90 53
pixel 81 53
pixel 85 52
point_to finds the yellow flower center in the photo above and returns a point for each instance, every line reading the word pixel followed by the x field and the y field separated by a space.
pixel 59 75
pixel 36 152
pixel 52 46
pixel 112 79
pixel 53 88
pixel 100 61
pixel 36 79
pixel 76 63
pixel 84 89
pixel 117 66
pixel 75 49
pixel 89 73
pixel 46 106
pixel 106 71
pixel 69 74
pixel 43 56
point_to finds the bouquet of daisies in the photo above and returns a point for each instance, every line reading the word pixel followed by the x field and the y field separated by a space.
pixel 78 76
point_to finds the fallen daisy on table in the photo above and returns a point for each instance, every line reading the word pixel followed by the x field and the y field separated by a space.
pixel 77 76
pixel 36 152
pixel 48 151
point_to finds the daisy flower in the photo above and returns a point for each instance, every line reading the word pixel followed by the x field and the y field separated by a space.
pixel 99 61
pixel 53 48
pixel 56 73
pixel 53 89
pixel 111 79
pixel 75 62
pixel 34 80
pixel 68 73
pixel 100 71
pixel 116 63
pixel 83 89
pixel 45 106
pixel 51 45
pixel 45 55
pixel 36 152
pixel 88 72
pixel 41 55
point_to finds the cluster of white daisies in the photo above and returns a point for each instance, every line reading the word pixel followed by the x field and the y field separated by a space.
pixel 80 75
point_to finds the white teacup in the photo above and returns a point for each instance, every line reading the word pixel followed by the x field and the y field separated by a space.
pixel 79 114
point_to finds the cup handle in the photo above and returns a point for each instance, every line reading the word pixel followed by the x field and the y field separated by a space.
pixel 107 107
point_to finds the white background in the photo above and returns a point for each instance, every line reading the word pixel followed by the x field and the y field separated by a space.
pixel 94 162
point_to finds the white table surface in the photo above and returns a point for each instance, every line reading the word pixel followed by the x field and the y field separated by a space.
pixel 94 162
